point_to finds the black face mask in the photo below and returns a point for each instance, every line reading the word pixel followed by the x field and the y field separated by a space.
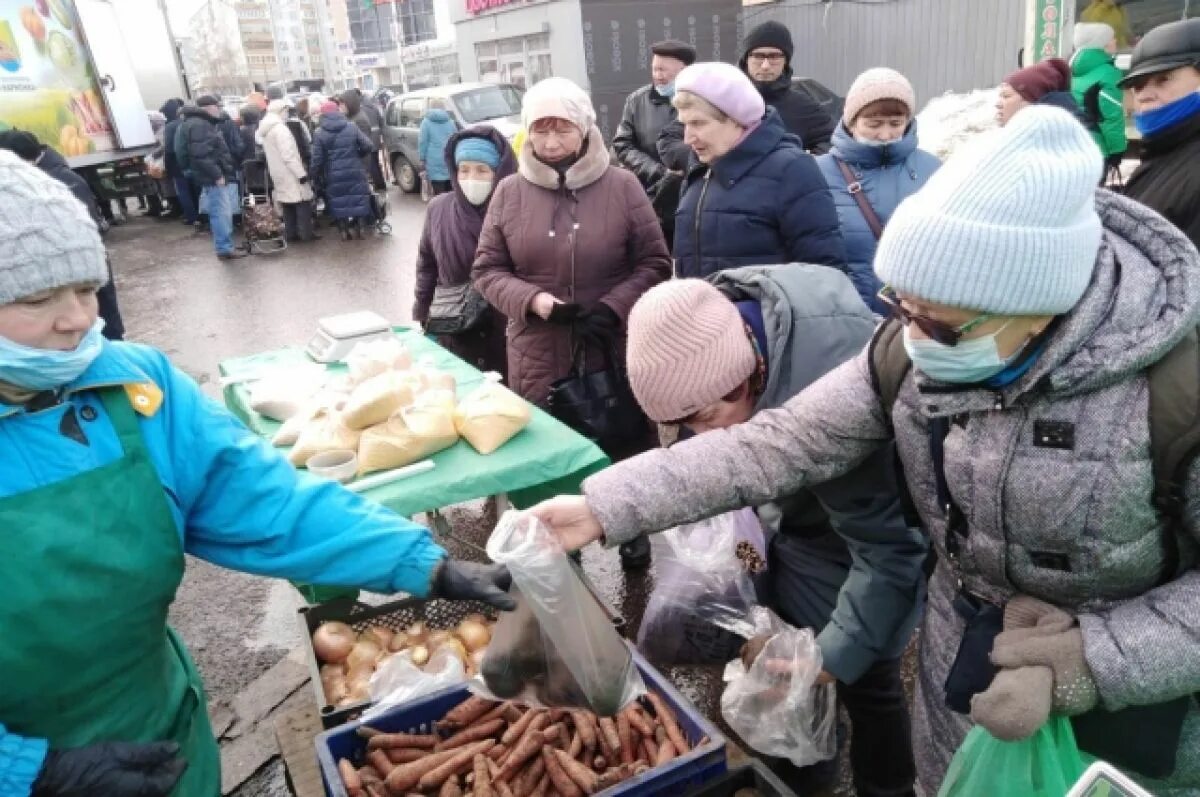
pixel 564 165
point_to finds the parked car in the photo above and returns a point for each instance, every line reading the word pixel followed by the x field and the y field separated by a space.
pixel 832 102
pixel 468 103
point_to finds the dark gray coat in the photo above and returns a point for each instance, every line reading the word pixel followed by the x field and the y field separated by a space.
pixel 635 142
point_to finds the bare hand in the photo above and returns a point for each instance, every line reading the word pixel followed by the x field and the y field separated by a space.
pixel 570 520
pixel 221 182
pixel 542 304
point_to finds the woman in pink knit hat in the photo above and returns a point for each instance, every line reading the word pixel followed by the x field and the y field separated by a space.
pixel 874 165
pixel 751 195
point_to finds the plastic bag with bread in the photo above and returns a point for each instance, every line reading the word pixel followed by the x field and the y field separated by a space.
pixel 491 415
pixel 409 436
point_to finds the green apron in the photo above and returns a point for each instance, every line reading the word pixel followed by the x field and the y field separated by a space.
pixel 88 569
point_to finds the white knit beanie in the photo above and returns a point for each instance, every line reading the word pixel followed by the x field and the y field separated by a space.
pixel 687 349
pixel 559 98
pixel 1093 35
pixel 1007 226
pixel 874 85
pixel 47 237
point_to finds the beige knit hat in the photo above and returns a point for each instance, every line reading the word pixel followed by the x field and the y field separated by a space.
pixel 878 84
pixel 687 349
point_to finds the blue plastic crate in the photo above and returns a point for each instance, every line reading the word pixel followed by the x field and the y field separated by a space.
pixel 753 775
pixel 693 769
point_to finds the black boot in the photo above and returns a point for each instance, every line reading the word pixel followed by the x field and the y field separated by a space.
pixel 635 555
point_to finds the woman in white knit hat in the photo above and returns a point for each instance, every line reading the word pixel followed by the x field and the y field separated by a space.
pixel 872 167
pixel 1038 321
pixel 113 464
pixel 568 245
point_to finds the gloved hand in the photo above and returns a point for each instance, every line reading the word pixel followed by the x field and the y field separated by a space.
pixel 599 326
pixel 455 579
pixel 564 313
pixel 113 769
pixel 1041 650
pixel 1113 161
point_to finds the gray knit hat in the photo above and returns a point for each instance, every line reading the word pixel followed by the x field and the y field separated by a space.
pixel 47 238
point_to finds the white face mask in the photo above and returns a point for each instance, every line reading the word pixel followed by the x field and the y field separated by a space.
pixel 476 191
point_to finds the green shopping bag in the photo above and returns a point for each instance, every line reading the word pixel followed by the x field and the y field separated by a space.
pixel 1046 764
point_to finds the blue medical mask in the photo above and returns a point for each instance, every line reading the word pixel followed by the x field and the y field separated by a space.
pixel 1156 121
pixel 667 91
pixel 970 361
pixel 45 369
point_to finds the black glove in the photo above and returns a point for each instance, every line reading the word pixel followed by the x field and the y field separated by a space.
pixel 564 313
pixel 1114 161
pixel 599 326
pixel 304 180
pixel 114 769
pixel 455 579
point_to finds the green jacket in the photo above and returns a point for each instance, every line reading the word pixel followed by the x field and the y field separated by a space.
pixel 1095 68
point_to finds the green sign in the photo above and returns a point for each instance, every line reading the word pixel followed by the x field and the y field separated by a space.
pixel 1048 27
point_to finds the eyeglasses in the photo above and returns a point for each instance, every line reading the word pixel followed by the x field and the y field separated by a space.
pixel 939 331
pixel 767 58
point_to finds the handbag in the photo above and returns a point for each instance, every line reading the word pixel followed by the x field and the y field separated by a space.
pixel 455 309
pixel 855 189
pixel 599 404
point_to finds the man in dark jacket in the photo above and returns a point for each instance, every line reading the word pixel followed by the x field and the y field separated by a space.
pixel 27 147
pixel 187 192
pixel 1165 79
pixel 767 59
pixel 844 563
pixel 648 110
pixel 356 111
pixel 204 156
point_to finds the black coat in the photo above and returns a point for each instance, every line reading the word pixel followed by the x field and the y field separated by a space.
pixel 170 161
pixel 764 202
pixel 1168 179
pixel 801 114
pixel 646 114
pixel 233 140
pixel 337 153
pixel 201 149
pixel 56 166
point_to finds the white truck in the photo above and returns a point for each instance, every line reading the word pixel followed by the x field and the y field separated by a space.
pixel 81 74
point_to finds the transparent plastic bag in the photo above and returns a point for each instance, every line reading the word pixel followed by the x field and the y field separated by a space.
pixel 776 706
pixel 491 415
pixel 558 649
pixel 699 612
pixel 1046 764
pixel 376 399
pixel 398 680
pixel 283 392
pixel 374 357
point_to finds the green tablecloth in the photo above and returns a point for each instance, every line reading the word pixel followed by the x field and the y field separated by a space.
pixel 544 459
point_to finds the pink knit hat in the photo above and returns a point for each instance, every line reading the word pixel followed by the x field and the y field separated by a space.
pixel 878 84
pixel 727 88
pixel 687 349
pixel 329 106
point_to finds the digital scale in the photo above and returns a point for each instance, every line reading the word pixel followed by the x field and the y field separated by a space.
pixel 337 335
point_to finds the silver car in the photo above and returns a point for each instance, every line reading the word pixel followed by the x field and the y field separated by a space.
pixel 468 103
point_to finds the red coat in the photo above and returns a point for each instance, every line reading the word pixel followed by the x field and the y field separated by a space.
pixel 594 239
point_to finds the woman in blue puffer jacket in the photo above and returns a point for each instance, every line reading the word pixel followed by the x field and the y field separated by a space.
pixel 752 196
pixel 338 149
pixel 876 143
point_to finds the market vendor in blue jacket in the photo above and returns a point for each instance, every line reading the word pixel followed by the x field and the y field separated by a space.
pixel 113 465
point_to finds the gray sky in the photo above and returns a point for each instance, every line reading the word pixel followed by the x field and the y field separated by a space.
pixel 181 12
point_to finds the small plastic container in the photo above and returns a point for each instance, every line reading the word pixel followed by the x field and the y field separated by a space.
pixel 338 466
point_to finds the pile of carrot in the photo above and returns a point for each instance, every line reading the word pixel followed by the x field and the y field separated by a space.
pixel 483 748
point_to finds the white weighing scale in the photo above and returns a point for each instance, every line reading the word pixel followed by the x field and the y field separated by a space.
pixel 338 334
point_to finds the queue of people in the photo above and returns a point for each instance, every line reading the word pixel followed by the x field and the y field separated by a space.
pixel 1007 460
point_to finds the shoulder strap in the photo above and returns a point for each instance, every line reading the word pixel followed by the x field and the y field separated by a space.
pixel 1174 386
pixel 854 187
pixel 889 363
pixel 1091 106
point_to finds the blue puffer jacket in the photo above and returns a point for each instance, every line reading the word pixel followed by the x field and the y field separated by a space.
pixel 762 203
pixel 337 151
pixel 888 175
pixel 235 500
pixel 436 129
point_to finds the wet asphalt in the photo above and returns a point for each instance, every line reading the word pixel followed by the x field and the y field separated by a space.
pixel 177 296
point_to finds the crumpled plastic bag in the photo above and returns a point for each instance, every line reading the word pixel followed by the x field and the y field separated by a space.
pixel 399 681
pixel 490 416
pixel 558 649
pixel 377 399
pixel 281 393
pixel 409 436
pixel 324 433
pixel 1046 764
pixel 373 357
pixel 776 706
pixel 700 610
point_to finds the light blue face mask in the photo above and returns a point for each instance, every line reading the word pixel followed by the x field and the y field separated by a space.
pixel 44 369
pixel 667 91
pixel 970 361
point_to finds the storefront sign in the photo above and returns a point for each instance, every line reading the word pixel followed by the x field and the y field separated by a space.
pixel 1047 34
pixel 477 7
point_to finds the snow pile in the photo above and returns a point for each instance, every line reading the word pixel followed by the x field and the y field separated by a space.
pixel 951 120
